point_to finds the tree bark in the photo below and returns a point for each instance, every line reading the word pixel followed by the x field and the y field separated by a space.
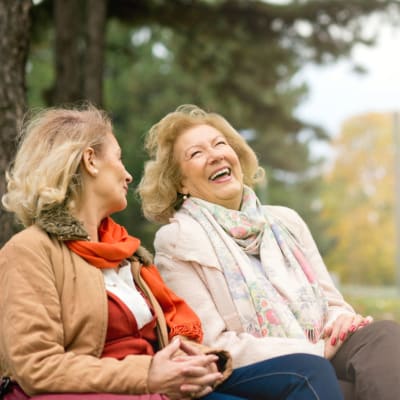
pixel 96 12
pixel 68 43
pixel 80 28
pixel 14 44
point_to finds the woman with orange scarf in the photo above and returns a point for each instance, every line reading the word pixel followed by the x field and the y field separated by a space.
pixel 84 312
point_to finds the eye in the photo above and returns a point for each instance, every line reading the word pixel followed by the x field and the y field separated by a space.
pixel 195 153
pixel 223 142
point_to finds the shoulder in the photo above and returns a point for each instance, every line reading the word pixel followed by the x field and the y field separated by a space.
pixel 32 239
pixel 183 238
pixel 181 227
pixel 287 216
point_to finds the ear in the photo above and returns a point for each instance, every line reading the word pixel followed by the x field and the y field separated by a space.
pixel 182 188
pixel 89 161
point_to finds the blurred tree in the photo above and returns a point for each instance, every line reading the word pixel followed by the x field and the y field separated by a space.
pixel 358 201
pixel 14 40
pixel 79 47
pixel 234 57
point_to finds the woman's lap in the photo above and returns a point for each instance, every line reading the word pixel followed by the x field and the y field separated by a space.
pixel 371 359
pixel 295 376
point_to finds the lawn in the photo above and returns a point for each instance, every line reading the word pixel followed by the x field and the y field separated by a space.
pixel 379 302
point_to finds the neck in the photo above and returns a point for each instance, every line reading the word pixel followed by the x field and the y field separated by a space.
pixel 90 219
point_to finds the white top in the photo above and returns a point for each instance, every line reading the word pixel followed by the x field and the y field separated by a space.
pixel 120 283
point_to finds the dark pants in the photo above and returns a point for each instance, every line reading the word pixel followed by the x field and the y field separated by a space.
pixel 370 360
pixel 291 377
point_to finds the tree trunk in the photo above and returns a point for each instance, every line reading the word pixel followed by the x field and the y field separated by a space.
pixel 96 12
pixel 79 50
pixel 68 43
pixel 14 44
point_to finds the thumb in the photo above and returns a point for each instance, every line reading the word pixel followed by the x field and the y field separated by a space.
pixel 169 350
pixel 189 349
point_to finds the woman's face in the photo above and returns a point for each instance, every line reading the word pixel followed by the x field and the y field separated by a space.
pixel 112 179
pixel 209 166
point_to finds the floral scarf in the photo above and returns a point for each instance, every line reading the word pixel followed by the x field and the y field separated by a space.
pixel 271 282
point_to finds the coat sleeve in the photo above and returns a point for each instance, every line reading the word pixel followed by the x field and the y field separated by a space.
pixel 32 336
pixel 336 303
pixel 184 279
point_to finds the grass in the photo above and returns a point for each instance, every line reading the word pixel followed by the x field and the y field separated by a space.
pixel 379 302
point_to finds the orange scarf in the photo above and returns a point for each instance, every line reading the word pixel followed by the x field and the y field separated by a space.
pixel 114 246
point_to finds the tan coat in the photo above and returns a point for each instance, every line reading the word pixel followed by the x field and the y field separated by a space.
pixel 53 321
pixel 188 263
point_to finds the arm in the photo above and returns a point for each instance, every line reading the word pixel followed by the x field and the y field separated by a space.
pixel 32 343
pixel 184 279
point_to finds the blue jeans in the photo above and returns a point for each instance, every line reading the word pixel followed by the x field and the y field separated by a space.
pixel 290 377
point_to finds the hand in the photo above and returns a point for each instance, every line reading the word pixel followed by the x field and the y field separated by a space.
pixel 331 349
pixel 344 326
pixel 183 377
pixel 190 350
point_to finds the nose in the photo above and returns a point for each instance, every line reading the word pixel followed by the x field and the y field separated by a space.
pixel 129 177
pixel 215 155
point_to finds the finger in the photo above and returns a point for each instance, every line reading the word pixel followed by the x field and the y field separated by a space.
pixel 188 348
pixel 170 349
pixel 366 320
pixel 357 320
pixel 190 389
pixel 196 391
pixel 342 327
pixel 205 391
pixel 327 332
pixel 194 371
pixel 334 337
pixel 203 360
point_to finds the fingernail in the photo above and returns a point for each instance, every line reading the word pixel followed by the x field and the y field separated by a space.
pixel 342 336
pixel 352 328
pixel 333 341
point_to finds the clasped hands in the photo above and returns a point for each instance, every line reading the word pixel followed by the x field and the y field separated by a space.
pixel 181 371
pixel 340 330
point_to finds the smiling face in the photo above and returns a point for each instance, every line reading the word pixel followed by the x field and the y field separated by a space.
pixel 209 166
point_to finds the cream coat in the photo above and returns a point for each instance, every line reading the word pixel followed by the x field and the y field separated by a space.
pixel 190 267
pixel 53 321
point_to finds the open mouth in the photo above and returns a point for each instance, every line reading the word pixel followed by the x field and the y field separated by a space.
pixel 219 174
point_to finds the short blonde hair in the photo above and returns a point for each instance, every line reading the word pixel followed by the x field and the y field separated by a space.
pixel 159 187
pixel 46 168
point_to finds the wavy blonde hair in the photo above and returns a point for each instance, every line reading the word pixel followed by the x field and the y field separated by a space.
pixel 159 186
pixel 46 168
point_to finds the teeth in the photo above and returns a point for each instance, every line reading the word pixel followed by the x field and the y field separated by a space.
pixel 220 173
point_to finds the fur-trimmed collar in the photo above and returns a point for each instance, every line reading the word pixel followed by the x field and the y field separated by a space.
pixel 59 222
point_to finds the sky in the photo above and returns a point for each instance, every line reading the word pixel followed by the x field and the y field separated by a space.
pixel 337 93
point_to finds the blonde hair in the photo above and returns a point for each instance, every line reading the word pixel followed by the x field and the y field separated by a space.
pixel 46 169
pixel 159 187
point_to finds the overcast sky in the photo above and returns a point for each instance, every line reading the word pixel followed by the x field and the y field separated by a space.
pixel 336 92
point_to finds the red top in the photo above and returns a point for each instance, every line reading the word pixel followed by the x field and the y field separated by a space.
pixel 123 336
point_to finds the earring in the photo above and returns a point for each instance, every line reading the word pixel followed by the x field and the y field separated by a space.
pixel 184 197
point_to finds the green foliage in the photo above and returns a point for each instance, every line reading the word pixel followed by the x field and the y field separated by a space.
pixel 233 57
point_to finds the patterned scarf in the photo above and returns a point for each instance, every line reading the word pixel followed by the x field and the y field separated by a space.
pixel 271 282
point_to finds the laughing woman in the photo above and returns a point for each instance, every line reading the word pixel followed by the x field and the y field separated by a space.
pixel 252 272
